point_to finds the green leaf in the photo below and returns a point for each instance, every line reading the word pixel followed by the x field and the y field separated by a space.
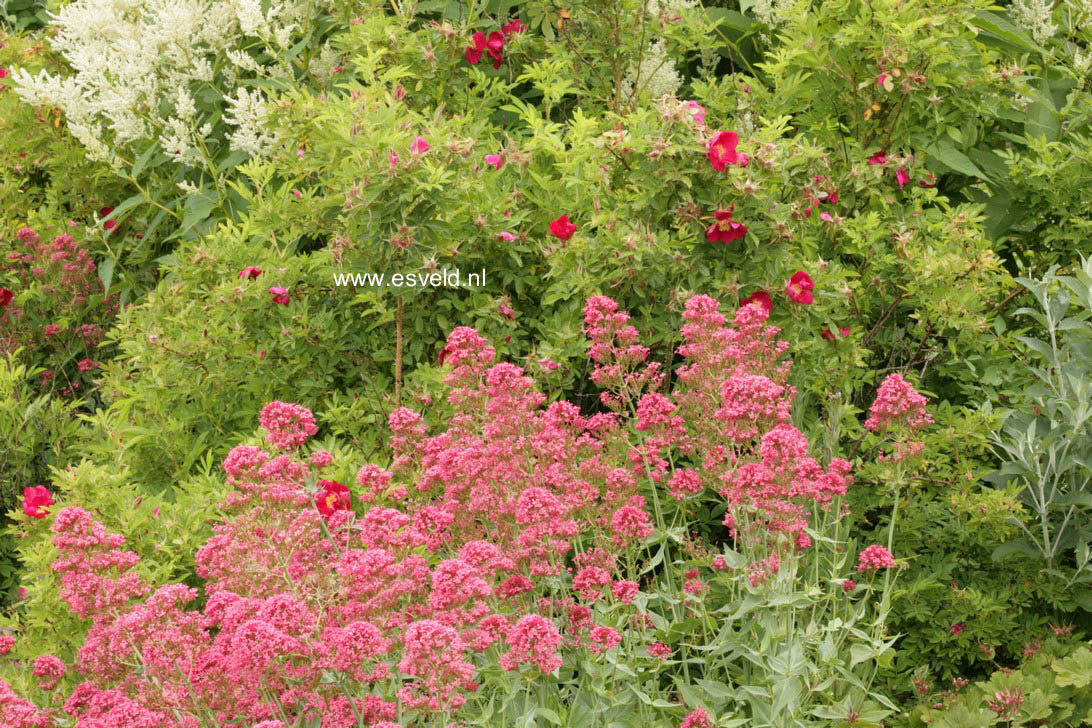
pixel 1043 119
pixel 142 160
pixel 1075 670
pixel 1012 548
pixel 946 153
pixel 106 273
pixel 1002 29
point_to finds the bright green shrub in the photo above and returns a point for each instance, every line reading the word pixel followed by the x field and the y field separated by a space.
pixel 38 432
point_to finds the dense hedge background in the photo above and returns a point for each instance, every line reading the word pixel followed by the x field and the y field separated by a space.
pixel 928 164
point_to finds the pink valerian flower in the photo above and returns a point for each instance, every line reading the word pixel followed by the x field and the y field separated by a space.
pixel 630 523
pixel 50 669
pixel 725 229
pixel 698 718
pixel 419 146
pixel 321 458
pixel 902 177
pixel 625 591
pixel 250 272
pixel 36 501
pixel 288 425
pixel 897 403
pixel 433 653
pixel 799 288
pixel 95 575
pixel 693 584
pixel 875 557
pixel 19 713
pixel 533 639
pixel 280 295
pixel 6 643
pixel 848 585
pixel 751 403
pixel 759 571
pixel 719 564
pixel 603 639
pixel 685 483
pixel 722 150
pixel 589 582
pixel 494 160
pixel 659 650
pixel 561 228
pixel 86 365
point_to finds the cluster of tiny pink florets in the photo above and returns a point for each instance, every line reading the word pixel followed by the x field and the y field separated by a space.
pixel 458 548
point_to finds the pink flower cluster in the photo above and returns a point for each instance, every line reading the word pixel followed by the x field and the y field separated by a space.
pixel 509 535
pixel 288 425
pixel 898 404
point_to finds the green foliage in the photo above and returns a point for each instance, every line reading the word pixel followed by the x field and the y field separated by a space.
pixel 1050 688
pixel 38 432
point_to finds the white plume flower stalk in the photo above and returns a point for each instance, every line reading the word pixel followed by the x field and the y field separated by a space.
pixel 138 66
pixel 1035 16
pixel 655 75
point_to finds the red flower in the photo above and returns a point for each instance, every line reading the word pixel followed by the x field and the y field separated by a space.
pixel 250 272
pixel 561 228
pixel 474 52
pixel 725 230
pixel 931 183
pixel 848 585
pixel 491 45
pixel 35 501
pixel 514 27
pixel 5 297
pixel 902 177
pixel 826 333
pixel 494 46
pixel 496 160
pixel 280 295
pixel 4 71
pixel 109 224
pixel 722 150
pixel 877 158
pixel 333 497
pixel 799 288
pixel 762 299
pixel 956 629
